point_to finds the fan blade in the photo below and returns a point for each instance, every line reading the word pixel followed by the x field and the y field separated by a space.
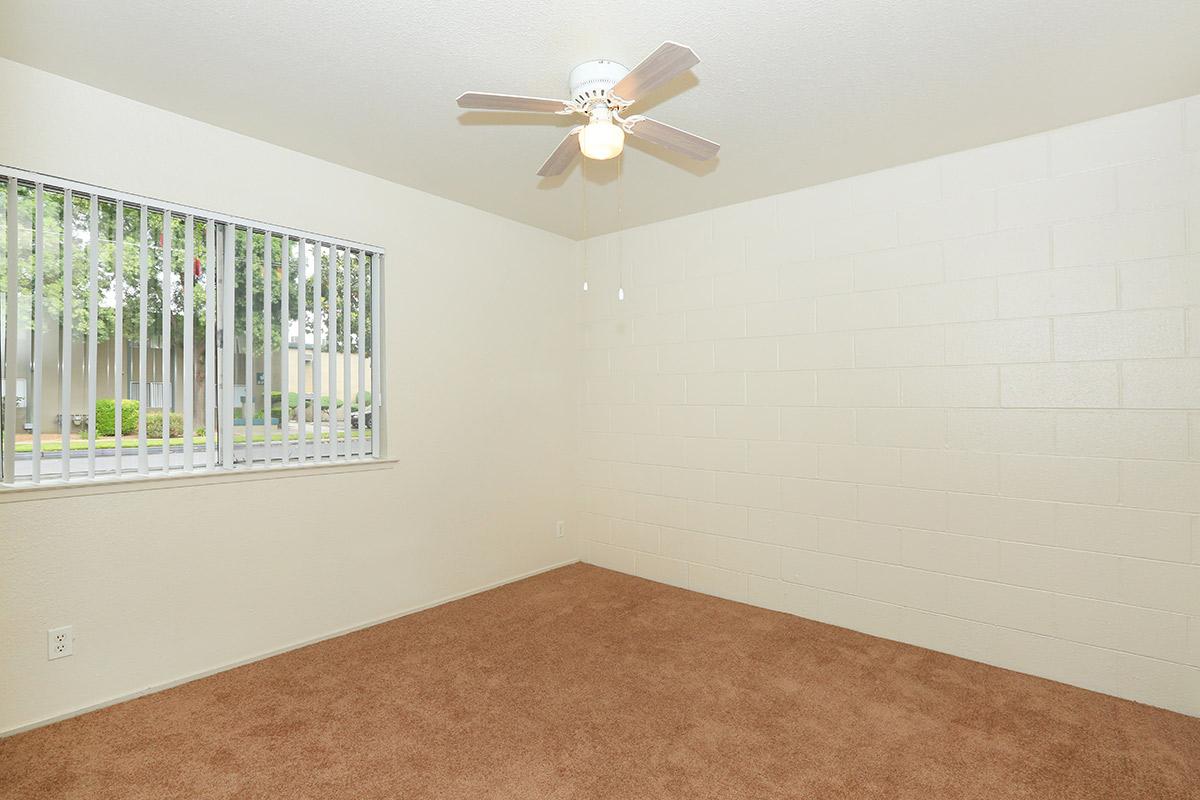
pixel 511 102
pixel 689 144
pixel 656 69
pixel 563 155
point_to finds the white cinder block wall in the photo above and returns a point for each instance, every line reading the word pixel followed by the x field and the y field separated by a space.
pixel 955 403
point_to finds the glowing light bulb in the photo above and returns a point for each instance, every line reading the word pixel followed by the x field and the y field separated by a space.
pixel 620 292
pixel 601 139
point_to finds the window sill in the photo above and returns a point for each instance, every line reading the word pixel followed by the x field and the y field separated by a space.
pixel 134 482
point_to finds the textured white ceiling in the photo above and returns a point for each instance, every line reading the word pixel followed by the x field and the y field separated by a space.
pixel 797 93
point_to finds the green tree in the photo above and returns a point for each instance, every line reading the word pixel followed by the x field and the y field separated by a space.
pixel 51 239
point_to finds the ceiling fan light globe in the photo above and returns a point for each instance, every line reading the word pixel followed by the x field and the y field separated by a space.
pixel 601 140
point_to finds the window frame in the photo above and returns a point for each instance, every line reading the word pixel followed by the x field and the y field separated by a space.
pixel 219 375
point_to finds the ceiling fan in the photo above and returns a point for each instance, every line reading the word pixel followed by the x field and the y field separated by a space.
pixel 601 90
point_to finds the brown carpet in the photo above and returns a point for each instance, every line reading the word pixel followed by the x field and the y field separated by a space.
pixel 584 683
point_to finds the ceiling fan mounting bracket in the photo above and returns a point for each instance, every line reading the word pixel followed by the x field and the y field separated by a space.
pixel 590 81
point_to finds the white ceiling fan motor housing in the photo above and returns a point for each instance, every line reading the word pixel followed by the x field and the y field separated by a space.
pixel 591 80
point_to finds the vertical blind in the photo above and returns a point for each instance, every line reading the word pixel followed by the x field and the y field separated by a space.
pixel 147 338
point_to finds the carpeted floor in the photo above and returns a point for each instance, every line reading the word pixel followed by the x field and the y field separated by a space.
pixel 584 683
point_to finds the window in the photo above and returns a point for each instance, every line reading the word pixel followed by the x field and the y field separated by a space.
pixel 143 338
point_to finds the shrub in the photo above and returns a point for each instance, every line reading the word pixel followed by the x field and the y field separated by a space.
pixel 277 401
pixel 154 425
pixel 106 413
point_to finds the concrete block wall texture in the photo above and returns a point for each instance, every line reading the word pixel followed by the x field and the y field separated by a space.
pixel 954 403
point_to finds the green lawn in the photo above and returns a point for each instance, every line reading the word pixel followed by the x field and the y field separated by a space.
pixel 54 445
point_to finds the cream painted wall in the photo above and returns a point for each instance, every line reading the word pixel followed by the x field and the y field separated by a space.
pixel 955 403
pixel 170 582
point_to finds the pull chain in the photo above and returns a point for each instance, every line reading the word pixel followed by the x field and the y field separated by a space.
pixel 620 237
pixel 583 187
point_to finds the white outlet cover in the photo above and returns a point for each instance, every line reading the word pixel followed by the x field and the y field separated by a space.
pixel 560 529
pixel 60 642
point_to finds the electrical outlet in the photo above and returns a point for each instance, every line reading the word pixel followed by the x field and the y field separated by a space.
pixel 60 642
pixel 560 529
